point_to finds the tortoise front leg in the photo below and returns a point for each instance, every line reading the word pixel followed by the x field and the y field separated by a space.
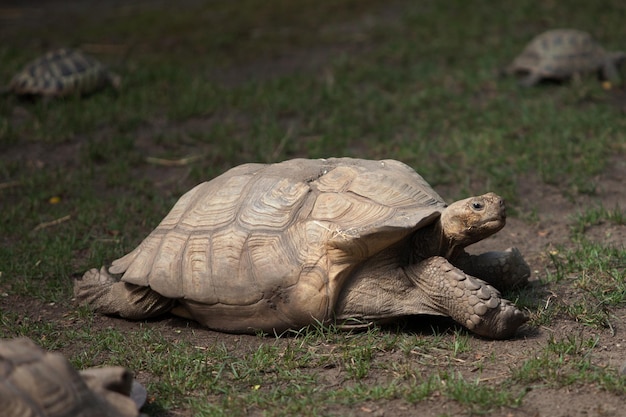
pixel 433 286
pixel 503 269
pixel 609 70
pixel 468 300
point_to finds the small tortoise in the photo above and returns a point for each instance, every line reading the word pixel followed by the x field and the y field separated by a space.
pixel 35 383
pixel 282 246
pixel 62 73
pixel 559 54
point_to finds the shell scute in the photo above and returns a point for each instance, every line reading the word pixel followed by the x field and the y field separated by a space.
pixel 168 264
pixel 271 203
pixel 196 261
pixel 336 180
pixel 226 260
pixel 137 264
pixel 215 205
pixel 348 212
pixel 331 207
pixel 385 190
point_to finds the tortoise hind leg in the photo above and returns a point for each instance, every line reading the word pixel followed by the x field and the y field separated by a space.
pixel 531 79
pixel 106 295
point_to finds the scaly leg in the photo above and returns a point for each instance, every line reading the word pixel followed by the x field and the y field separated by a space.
pixel 469 301
pixel 433 286
pixel 106 295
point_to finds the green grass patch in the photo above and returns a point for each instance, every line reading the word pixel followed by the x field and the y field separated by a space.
pixel 596 216
pixel 566 362
pixel 594 271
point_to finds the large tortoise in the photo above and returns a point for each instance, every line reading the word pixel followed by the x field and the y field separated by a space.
pixel 35 383
pixel 281 246
pixel 61 73
pixel 559 54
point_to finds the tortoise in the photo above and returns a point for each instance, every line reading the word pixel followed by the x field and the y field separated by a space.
pixel 36 383
pixel 282 246
pixel 60 73
pixel 560 54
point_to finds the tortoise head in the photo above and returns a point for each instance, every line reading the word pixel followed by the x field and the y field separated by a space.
pixel 472 219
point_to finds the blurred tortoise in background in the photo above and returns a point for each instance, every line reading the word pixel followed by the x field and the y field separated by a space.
pixel 560 54
pixel 61 73
pixel 282 246
pixel 35 383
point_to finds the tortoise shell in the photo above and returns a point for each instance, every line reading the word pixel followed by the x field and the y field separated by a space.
pixel 561 53
pixel 60 73
pixel 41 384
pixel 294 231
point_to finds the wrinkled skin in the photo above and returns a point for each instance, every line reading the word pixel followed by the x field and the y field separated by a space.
pixel 428 280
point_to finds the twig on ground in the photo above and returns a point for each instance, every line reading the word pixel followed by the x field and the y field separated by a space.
pixel 9 184
pixel 52 223
pixel 173 162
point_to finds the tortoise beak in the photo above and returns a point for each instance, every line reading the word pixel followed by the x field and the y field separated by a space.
pixel 497 209
pixel 502 209
pixel 497 204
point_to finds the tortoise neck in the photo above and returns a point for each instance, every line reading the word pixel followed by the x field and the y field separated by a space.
pixel 432 241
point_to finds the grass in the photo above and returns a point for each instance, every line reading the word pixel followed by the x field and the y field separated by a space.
pixel 596 216
pixel 594 270
pixel 566 362
pixel 220 85
pixel 597 275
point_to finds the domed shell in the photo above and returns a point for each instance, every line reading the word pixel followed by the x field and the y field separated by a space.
pixel 263 240
pixel 559 53
pixel 62 72
pixel 35 383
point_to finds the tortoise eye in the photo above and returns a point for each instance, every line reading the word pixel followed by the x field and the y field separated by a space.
pixel 477 205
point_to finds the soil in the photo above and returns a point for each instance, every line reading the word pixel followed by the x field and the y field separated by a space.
pixel 551 213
